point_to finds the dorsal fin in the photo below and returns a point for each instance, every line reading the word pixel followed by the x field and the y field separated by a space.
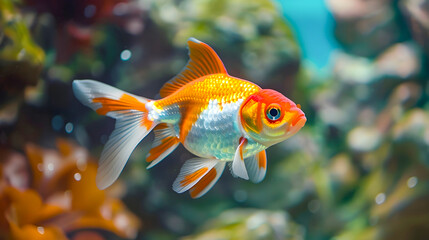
pixel 203 61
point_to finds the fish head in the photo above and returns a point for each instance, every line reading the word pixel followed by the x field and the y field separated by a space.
pixel 269 117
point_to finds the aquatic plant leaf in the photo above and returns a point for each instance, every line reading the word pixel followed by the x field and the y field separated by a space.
pixel 66 181
pixel 22 47
pixel 112 216
pixel 406 190
pixel 249 224
pixel 26 207
pixel 85 194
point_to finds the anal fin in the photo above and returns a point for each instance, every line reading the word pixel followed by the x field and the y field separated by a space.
pixel 207 182
pixel 192 172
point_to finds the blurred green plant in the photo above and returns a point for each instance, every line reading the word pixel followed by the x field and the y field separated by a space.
pixel 252 224
pixel 255 39
pixel 19 45
pixel 21 61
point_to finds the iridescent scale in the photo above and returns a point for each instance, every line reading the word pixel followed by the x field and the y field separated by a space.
pixel 204 114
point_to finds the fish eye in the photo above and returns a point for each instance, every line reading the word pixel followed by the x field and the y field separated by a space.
pixel 273 113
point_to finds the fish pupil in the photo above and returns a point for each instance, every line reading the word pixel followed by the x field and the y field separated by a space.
pixel 273 114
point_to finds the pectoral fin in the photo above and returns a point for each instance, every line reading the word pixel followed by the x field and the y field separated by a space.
pixel 238 166
pixel 256 166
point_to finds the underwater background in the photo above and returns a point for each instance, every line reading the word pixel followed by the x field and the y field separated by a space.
pixel 359 169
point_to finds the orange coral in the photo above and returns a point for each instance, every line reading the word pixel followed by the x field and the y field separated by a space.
pixel 61 198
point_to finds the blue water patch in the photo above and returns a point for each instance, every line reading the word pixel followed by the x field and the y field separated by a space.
pixel 314 28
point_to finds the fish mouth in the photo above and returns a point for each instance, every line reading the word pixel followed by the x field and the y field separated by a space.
pixel 297 123
pixel 301 122
pixel 298 118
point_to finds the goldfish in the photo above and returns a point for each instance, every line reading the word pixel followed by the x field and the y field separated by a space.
pixel 219 118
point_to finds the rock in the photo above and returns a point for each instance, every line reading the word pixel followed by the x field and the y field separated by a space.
pixel 364 138
pixel 365 28
pixel 417 14
pixel 251 38
pixel 353 69
pixel 401 60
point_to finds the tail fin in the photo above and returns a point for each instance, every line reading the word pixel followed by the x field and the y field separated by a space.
pixel 132 124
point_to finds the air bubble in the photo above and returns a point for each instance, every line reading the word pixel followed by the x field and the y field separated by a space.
pixel 126 55
pixel 380 198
